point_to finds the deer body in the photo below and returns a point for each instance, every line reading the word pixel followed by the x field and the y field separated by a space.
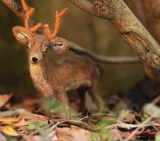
pixel 55 79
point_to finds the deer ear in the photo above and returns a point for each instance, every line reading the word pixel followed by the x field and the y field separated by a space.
pixel 59 45
pixel 22 34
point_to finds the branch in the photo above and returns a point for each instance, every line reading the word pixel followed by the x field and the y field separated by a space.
pixel 151 10
pixel 130 29
pixel 84 5
pixel 136 7
pixel 17 9
pixel 102 59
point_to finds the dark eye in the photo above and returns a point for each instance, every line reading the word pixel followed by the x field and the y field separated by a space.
pixel 28 47
pixel 57 45
pixel 45 51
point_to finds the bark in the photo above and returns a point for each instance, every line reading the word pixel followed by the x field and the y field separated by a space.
pixel 151 10
pixel 17 9
pixel 129 28
pixel 137 8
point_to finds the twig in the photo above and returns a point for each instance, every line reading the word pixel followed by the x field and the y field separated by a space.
pixel 15 112
pixel 72 122
pixel 118 135
pixel 102 59
pixel 156 100
pixel 17 9
pixel 141 125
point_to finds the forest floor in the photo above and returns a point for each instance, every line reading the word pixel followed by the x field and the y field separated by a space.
pixel 26 121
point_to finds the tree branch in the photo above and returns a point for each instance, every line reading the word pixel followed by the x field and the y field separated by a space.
pixel 151 10
pixel 85 5
pixel 17 9
pixel 102 59
pixel 130 29
pixel 136 7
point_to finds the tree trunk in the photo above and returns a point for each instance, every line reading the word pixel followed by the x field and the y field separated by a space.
pixel 151 10
pixel 129 28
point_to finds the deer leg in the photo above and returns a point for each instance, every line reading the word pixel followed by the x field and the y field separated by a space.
pixel 62 97
pixel 81 93
pixel 94 93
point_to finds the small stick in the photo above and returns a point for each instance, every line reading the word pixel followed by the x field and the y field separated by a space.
pixel 141 125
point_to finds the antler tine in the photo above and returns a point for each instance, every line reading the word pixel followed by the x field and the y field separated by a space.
pixel 47 29
pixel 29 12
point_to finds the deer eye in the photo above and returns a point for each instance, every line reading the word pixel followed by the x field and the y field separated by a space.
pixel 59 45
pixel 28 47
pixel 45 50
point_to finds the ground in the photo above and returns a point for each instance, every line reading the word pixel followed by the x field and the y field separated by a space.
pixel 26 121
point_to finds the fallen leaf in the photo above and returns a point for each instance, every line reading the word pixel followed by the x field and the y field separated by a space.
pixel 72 134
pixel 8 130
pixel 21 122
pixel 35 138
pixel 117 135
pixel 150 109
pixel 4 99
pixel 53 136
pixel 9 121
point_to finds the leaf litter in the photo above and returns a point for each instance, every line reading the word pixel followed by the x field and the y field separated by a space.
pixel 31 124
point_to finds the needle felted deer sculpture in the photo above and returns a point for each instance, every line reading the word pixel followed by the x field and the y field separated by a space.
pixel 55 79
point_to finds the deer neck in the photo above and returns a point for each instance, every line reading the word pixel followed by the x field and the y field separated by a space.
pixel 38 69
pixel 39 76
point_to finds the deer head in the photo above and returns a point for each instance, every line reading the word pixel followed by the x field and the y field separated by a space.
pixel 38 43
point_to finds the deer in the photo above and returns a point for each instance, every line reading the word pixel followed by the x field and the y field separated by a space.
pixel 55 79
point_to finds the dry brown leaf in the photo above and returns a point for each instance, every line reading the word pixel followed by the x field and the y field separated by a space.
pixel 150 109
pixel 21 122
pixel 72 134
pixel 30 115
pixel 116 135
pixel 27 104
pixel 4 99
pixel 8 130
pixel 148 133
pixel 10 119
pixel 53 136
pixel 35 138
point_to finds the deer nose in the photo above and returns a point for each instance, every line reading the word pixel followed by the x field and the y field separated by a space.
pixel 34 59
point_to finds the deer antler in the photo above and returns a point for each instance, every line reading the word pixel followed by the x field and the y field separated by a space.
pixel 47 29
pixel 29 12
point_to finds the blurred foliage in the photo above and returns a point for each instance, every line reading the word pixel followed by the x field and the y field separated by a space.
pixel 92 33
